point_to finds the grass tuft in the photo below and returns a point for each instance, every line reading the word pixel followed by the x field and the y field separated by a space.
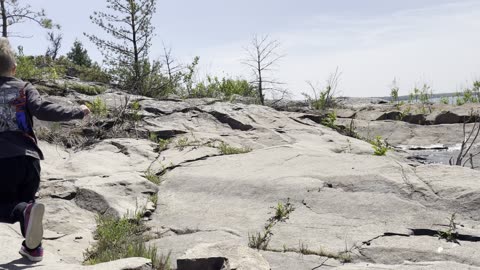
pixel 119 238
pixel 379 146
pixel 152 177
pixel 226 149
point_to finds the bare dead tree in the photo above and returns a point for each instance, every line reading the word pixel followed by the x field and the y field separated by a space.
pixel 262 56
pixel 13 12
pixel 469 139
pixel 55 45
pixel 173 68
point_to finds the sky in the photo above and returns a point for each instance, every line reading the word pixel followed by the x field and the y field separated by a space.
pixel 371 42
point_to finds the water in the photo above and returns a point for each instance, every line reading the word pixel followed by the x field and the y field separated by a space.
pixel 439 154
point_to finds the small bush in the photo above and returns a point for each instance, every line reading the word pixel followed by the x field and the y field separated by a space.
pixel 445 100
pixel 35 68
pixel 224 88
pixel 122 238
pixel 329 120
pixel 282 211
pixel 86 89
pixel 425 94
pixel 162 144
pixel 379 146
pixel 135 115
pixel 451 234
pixel 394 93
pixel 226 149
pixel 98 107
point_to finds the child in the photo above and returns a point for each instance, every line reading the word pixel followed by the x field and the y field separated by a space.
pixel 19 153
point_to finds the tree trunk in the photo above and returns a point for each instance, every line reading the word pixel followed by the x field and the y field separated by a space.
pixel 260 81
pixel 4 19
pixel 136 64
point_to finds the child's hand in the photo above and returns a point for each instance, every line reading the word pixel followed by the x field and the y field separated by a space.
pixel 85 109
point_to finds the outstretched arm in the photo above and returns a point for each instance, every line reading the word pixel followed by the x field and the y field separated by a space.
pixel 48 111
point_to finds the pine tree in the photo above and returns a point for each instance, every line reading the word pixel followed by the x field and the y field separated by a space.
pixel 79 55
pixel 128 22
pixel 14 13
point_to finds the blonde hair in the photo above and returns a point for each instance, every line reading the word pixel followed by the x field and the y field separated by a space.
pixel 7 57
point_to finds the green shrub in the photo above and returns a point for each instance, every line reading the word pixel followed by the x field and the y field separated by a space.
pixel 98 107
pixel 226 149
pixel 379 146
pixel 93 73
pixel 451 233
pixel 394 92
pixel 224 88
pixel 468 96
pixel 86 89
pixel 425 94
pixel 35 68
pixel 122 238
pixel 445 100
pixel 330 120
pixel 282 211
pixel 460 100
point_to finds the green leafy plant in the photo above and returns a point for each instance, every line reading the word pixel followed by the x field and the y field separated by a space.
pixel 394 92
pixel 451 233
pixel 98 107
pixel 330 120
pixel 445 100
pixel 163 144
pixel 282 213
pixel 224 88
pixel 189 76
pixel 380 147
pixel 37 68
pixel 425 94
pixel 135 106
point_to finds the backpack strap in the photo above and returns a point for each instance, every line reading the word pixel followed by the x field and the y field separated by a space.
pixel 24 121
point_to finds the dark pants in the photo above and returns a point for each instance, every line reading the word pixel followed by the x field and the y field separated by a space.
pixel 19 181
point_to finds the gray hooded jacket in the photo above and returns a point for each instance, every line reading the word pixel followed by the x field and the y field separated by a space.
pixel 19 102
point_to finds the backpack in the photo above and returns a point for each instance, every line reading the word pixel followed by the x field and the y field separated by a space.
pixel 13 108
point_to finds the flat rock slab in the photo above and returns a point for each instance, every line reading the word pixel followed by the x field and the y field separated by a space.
pixel 213 263
pixel 239 257
pixel 124 264
pixel 344 199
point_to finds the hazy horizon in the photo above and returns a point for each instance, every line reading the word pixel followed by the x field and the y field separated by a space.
pixel 371 42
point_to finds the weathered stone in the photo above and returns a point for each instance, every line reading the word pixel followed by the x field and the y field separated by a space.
pixel 214 263
pixel 239 257
pixel 395 115
pixel 378 212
